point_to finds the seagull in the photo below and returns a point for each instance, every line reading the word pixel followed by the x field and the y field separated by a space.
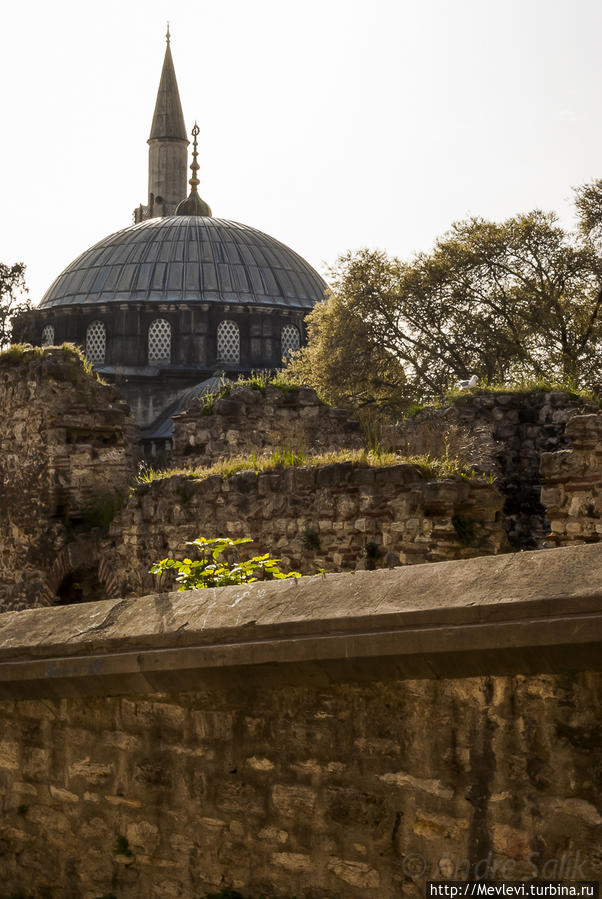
pixel 466 385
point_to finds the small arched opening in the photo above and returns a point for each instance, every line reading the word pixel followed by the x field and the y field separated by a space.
pixel 80 585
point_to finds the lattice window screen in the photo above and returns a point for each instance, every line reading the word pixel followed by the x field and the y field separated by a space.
pixel 289 340
pixel 96 343
pixel 228 342
pixel 47 335
pixel 159 341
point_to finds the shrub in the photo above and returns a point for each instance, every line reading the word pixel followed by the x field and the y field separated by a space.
pixel 212 571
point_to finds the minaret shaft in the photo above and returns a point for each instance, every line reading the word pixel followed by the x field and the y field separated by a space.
pixel 168 148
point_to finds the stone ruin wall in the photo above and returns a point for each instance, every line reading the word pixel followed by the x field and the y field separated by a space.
pixel 340 791
pixel 506 434
pixel 339 517
pixel 261 421
pixel 66 446
pixel 572 484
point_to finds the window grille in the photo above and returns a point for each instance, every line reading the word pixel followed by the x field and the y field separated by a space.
pixel 47 335
pixel 228 342
pixel 289 340
pixel 159 341
pixel 96 343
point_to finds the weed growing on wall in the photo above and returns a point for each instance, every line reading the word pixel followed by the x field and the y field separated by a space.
pixel 465 529
pixel 425 465
pixel 213 571
pixel 122 846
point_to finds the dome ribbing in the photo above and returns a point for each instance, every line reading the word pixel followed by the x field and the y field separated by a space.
pixel 188 258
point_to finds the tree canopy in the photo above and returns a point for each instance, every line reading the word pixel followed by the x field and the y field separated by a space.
pixel 509 301
pixel 13 299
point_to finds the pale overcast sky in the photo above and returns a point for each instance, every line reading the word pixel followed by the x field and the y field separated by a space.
pixel 329 124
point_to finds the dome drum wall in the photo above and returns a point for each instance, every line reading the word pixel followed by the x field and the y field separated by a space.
pixel 194 334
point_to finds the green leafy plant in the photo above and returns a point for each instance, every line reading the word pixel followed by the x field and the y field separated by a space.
pixel 465 529
pixel 101 512
pixel 213 571
pixel 310 540
pixel 122 846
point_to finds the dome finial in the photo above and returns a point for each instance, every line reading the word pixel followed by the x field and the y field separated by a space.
pixel 193 204
pixel 167 35
pixel 194 166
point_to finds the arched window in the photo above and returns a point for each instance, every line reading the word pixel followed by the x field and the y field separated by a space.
pixel 228 342
pixel 290 340
pixel 159 341
pixel 96 343
pixel 47 335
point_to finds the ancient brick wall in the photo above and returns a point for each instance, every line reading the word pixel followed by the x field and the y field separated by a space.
pixel 256 421
pixel 572 484
pixel 503 433
pixel 338 517
pixel 66 447
pixel 345 791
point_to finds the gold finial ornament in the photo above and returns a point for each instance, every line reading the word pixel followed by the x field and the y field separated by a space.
pixel 193 204
pixel 194 166
pixel 167 36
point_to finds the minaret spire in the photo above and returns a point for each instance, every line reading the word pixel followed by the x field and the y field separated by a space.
pixel 168 146
pixel 168 119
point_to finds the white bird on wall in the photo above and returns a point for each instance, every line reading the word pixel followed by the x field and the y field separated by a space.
pixel 465 385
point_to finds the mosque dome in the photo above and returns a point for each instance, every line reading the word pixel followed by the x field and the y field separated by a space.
pixel 191 259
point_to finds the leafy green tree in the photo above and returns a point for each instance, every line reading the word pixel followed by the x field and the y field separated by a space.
pixel 343 360
pixel 213 571
pixel 508 301
pixel 13 299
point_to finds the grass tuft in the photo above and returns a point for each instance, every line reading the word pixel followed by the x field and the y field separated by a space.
pixel 427 468
pixel 19 353
pixel 256 381
pixel 522 386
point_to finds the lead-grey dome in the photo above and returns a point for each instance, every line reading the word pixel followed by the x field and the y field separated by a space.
pixel 187 258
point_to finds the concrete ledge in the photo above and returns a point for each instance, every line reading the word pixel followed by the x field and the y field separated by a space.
pixel 519 613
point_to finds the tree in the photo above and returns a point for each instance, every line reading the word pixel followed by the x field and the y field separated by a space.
pixel 343 360
pixel 13 299
pixel 507 301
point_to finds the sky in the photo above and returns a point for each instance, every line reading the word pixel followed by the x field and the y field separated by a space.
pixel 329 124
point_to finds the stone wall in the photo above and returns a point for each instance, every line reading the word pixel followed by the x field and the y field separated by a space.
pixel 338 517
pixel 503 433
pixel 572 484
pixel 66 452
pixel 260 421
pixel 291 778
pixel 350 791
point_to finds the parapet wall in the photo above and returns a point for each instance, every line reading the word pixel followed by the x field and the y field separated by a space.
pixel 66 445
pixel 260 421
pixel 348 736
pixel 338 517
pixel 503 433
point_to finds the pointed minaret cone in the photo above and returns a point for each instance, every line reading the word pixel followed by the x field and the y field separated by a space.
pixel 168 147
pixel 168 120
